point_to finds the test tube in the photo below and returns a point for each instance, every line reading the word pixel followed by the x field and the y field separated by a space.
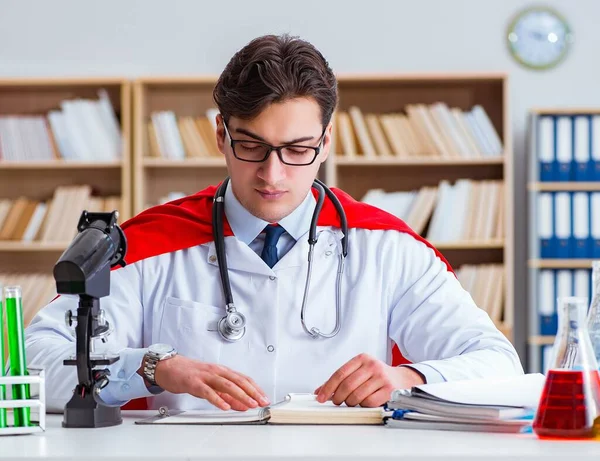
pixel 3 413
pixel 16 350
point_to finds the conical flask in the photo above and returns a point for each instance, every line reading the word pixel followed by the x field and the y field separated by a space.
pixel 570 403
pixel 594 311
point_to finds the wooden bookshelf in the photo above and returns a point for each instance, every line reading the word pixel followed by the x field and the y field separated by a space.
pixel 379 93
pixel 38 179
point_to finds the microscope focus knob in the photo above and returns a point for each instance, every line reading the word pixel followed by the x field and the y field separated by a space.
pixel 70 321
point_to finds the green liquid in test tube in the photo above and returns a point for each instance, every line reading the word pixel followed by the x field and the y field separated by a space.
pixel 2 363
pixel 16 350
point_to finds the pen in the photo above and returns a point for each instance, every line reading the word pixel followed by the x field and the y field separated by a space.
pixel 16 350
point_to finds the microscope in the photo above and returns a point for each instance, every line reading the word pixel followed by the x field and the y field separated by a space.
pixel 84 269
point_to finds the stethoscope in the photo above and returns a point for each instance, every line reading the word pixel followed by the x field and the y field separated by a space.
pixel 232 326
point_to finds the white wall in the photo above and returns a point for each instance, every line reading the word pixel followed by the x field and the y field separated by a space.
pixel 140 37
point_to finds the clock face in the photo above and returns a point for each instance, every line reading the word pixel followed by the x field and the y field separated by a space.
pixel 539 38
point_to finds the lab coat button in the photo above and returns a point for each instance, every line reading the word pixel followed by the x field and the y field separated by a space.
pixel 270 348
pixel 272 277
pixel 328 253
pixel 212 259
pixel 125 387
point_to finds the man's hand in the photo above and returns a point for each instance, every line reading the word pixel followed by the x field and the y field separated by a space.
pixel 367 382
pixel 221 386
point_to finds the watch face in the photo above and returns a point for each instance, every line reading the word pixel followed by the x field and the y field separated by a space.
pixel 160 349
pixel 539 38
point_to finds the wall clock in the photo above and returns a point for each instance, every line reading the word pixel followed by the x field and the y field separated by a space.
pixel 539 38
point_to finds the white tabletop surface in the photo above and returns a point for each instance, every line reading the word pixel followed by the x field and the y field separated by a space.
pixel 130 441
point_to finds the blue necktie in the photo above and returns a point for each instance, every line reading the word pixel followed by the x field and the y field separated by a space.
pixel 269 252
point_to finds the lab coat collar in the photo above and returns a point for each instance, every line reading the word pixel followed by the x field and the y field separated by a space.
pixel 246 226
pixel 241 257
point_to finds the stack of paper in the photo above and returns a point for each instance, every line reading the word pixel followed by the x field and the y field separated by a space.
pixel 489 405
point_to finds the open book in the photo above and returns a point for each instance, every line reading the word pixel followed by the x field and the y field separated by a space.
pixel 294 409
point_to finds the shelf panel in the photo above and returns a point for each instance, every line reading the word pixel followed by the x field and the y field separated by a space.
pixel 560 263
pixel 187 163
pixel 58 165
pixel 541 340
pixel 468 245
pixel 32 246
pixel 417 161
pixel 564 186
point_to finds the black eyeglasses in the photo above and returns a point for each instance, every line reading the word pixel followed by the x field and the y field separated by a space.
pixel 290 154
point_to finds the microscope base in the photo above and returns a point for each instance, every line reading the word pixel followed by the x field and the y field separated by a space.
pixel 86 412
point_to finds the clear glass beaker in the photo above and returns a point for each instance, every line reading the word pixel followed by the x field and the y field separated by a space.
pixel 593 319
pixel 570 403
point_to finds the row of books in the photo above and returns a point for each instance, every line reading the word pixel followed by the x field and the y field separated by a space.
pixel 55 220
pixel 37 290
pixel 485 283
pixel 468 210
pixel 552 284
pixel 80 130
pixel 568 147
pixel 177 138
pixel 568 224
pixel 434 130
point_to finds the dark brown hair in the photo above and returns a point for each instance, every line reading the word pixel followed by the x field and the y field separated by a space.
pixel 273 69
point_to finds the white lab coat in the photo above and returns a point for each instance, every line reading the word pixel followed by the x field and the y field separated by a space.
pixel 394 288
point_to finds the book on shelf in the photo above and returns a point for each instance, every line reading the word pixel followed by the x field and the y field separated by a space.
pixel 178 138
pixel 568 224
pixel 78 130
pixel 54 220
pixel 435 131
pixel 552 284
pixel 477 405
pixel 294 409
pixel 37 289
pixel 568 147
pixel 468 210
pixel 485 283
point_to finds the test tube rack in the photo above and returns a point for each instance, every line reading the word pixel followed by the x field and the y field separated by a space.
pixel 36 376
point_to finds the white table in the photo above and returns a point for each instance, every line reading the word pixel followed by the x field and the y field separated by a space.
pixel 129 441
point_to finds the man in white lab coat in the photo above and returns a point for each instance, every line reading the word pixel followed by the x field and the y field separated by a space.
pixel 166 303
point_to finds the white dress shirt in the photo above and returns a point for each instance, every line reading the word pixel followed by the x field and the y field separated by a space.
pixel 395 289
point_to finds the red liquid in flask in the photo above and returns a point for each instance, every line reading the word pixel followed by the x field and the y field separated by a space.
pixel 570 405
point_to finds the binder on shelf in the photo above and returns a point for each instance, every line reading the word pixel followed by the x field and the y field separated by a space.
pixel 582 283
pixel 545 224
pixel 563 148
pixel 548 318
pixel 562 224
pixel 595 224
pixel 546 147
pixel 582 148
pixel 595 148
pixel 581 225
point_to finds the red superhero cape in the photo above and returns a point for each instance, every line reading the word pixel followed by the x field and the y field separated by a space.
pixel 187 222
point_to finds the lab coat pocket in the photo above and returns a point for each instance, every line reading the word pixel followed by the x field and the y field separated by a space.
pixel 191 327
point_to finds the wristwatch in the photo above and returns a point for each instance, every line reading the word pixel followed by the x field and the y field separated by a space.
pixel 156 353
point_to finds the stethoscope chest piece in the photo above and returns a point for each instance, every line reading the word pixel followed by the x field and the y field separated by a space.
pixel 232 327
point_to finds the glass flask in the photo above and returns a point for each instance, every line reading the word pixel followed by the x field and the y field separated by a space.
pixel 594 311
pixel 569 406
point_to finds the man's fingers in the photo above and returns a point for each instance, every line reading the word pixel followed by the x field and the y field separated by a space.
pixel 364 391
pixel 235 404
pixel 256 386
pixel 205 392
pixel 378 398
pixel 332 383
pixel 247 386
pixel 350 385
pixel 222 384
